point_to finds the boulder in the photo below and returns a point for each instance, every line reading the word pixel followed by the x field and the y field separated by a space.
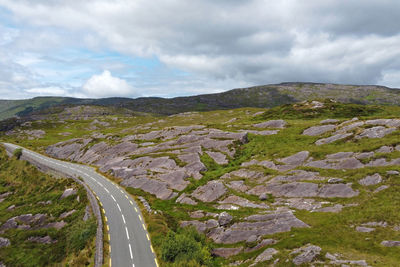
pixel 392 172
pixel 308 254
pixel 68 192
pixel 271 124
pixel 224 218
pixel 4 242
pixel 319 130
pixel 371 180
pixel 210 192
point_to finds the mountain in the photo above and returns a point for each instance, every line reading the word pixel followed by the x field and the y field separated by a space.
pixel 265 96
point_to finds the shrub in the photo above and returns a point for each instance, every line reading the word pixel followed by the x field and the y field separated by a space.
pixel 186 246
pixel 18 153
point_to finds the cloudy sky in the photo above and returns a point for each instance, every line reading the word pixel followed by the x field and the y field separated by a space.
pixel 101 48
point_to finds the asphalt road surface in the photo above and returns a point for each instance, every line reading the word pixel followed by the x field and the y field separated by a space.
pixel 129 241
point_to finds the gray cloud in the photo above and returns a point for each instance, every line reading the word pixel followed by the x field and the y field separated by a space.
pixel 223 43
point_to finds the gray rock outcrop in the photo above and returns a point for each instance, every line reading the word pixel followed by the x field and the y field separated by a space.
pixel 371 180
pixel 210 192
pixel 271 124
pixel 308 254
pixel 4 242
pixel 319 130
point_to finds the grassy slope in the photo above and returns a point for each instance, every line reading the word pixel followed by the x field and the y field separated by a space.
pixel 332 232
pixel 29 186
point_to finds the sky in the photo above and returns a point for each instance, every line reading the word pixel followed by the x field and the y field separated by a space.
pixel 167 48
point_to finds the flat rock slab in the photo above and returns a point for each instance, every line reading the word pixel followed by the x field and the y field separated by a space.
pixel 318 130
pixel 157 188
pixel 68 192
pixel 308 254
pixel 271 124
pixel 327 121
pixel 332 139
pixel 232 199
pixel 390 243
pixel 363 229
pixel 376 132
pixel 301 189
pixel 244 173
pixel 337 190
pixel 218 157
pixel 346 163
pixel 297 175
pixel 4 242
pixel 226 252
pixel 385 122
pixel 42 240
pixel 266 255
pixel 210 192
pixel 371 180
pixel 258 225
pixel 295 159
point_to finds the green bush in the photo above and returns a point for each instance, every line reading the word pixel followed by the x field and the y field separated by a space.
pixel 18 153
pixel 80 234
pixel 186 246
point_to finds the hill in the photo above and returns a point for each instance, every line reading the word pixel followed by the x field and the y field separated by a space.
pixel 265 96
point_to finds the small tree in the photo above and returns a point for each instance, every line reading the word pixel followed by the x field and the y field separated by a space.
pixel 17 153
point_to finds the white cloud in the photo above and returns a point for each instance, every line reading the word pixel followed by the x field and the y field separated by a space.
pixel 105 85
pixel 47 91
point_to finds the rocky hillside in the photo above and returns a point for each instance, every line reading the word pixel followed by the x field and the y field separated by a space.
pixel 308 183
pixel 260 96
pixel 43 220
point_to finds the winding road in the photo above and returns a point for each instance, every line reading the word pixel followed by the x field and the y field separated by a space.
pixel 129 241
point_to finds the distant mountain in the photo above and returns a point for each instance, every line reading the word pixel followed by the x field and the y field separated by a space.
pixel 259 96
